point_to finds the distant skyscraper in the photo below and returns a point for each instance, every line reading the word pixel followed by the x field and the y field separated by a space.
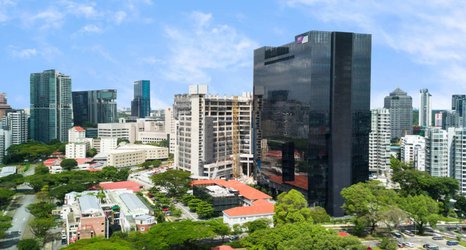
pixel 425 108
pixel 459 108
pixel 379 142
pixel 140 106
pixel 457 151
pixel 94 106
pixel 401 113
pixel 312 115
pixel 3 105
pixel 51 106
pixel 437 152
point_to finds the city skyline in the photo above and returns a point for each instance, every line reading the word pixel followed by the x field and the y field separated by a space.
pixel 104 46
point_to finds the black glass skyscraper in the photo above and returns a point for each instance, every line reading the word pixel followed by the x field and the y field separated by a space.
pixel 312 115
pixel 94 106
pixel 140 106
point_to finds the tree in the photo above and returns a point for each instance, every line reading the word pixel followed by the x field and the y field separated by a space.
pixel 40 227
pixel 162 143
pixel 5 224
pixel 461 206
pixel 175 182
pixel 11 181
pixel 91 152
pixel 28 244
pixel 41 209
pixel 192 204
pixel 388 244
pixel 393 216
pixel 291 207
pixel 258 224
pixel 186 198
pixel 204 210
pixel 367 200
pixel 319 215
pixel 299 236
pixel 5 196
pixel 114 243
pixel 422 210
pixel 69 164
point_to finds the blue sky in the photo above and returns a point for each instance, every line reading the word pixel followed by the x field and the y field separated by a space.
pixel 109 44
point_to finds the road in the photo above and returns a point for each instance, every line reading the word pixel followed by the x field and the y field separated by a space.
pixel 419 241
pixel 20 222
pixel 186 213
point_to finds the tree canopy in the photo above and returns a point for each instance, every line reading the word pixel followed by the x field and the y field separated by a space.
pixel 422 210
pixel 299 236
pixel 175 182
pixel 30 151
pixel 69 164
pixel 367 201
pixel 291 207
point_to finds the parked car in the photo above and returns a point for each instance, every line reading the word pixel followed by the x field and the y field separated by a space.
pixel 430 247
pixel 409 233
pixel 396 234
pixel 437 237
pixel 452 243
pixel 408 244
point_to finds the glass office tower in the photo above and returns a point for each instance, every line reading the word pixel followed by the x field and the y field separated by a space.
pixel 94 106
pixel 140 106
pixel 312 115
pixel 51 106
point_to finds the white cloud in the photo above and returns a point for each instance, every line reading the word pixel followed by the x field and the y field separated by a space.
pixel 81 9
pixel 431 32
pixel 47 19
pixel 205 46
pixel 119 17
pixel 90 28
pixel 23 53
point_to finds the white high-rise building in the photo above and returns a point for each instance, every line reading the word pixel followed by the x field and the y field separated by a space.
pixel 379 141
pixel 437 152
pixel 13 129
pixel 76 150
pixel 425 108
pixel 204 133
pixel 457 152
pixel 170 129
pixel 413 150
pixel 76 134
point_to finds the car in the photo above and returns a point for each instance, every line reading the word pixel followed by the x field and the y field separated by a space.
pixel 408 244
pixel 452 243
pixel 430 247
pixel 409 233
pixel 437 237
pixel 396 235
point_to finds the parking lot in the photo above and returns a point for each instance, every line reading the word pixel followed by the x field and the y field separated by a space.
pixel 419 241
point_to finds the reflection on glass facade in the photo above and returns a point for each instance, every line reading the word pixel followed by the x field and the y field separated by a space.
pixel 140 106
pixel 94 106
pixel 312 115
pixel 51 106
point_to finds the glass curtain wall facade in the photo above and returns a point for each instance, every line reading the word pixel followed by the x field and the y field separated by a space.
pixel 140 106
pixel 51 106
pixel 312 115
pixel 94 106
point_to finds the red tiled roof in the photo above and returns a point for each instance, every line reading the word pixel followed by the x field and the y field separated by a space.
pixel 222 248
pixel 300 181
pixel 258 207
pixel 246 191
pixel 52 162
pixel 81 161
pixel 130 185
pixel 79 129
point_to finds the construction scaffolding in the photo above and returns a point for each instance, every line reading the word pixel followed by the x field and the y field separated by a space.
pixel 236 164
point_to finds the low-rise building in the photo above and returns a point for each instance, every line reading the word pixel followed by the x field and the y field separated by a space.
pixel 83 217
pixel 125 158
pixel 253 204
pixel 8 170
